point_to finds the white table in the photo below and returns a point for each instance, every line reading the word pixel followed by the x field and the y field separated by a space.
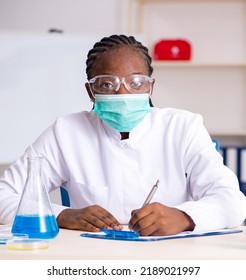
pixel 69 245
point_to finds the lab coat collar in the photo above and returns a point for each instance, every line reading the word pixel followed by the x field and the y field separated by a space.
pixel 137 133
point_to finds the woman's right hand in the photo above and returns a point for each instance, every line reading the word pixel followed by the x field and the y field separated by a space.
pixel 91 218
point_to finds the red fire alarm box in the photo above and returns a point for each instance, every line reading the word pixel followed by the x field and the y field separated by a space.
pixel 172 50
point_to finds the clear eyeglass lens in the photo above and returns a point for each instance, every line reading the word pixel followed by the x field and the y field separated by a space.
pixel 107 84
pixel 137 84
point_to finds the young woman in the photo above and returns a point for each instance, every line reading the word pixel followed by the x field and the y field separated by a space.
pixel 110 157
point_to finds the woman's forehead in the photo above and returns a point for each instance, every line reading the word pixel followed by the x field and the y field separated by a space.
pixel 120 60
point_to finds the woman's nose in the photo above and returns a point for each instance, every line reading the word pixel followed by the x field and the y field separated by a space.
pixel 122 89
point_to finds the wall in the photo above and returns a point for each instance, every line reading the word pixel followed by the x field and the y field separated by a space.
pixel 42 74
pixel 83 17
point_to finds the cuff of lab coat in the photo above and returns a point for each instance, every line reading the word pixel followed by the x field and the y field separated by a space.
pixel 57 209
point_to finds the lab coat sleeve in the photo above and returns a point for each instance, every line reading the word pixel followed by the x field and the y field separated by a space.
pixel 13 180
pixel 215 200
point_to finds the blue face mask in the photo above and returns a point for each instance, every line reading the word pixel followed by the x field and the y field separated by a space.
pixel 122 111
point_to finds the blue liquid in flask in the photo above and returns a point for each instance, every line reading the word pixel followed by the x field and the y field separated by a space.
pixel 42 227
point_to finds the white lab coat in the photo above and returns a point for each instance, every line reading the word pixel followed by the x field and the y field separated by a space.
pixel 87 156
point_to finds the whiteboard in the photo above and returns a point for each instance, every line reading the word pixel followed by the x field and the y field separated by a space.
pixel 42 77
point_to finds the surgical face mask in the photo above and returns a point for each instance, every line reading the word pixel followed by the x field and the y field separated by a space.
pixel 122 111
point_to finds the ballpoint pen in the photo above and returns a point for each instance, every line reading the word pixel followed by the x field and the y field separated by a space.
pixel 152 192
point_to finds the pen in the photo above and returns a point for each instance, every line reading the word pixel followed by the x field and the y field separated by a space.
pixel 152 192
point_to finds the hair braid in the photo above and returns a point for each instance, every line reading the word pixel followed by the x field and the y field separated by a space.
pixel 115 41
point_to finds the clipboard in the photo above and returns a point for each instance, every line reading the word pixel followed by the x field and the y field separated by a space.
pixel 134 236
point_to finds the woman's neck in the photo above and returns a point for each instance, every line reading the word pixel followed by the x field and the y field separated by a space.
pixel 124 135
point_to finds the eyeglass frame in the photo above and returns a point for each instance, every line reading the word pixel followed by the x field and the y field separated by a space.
pixel 121 81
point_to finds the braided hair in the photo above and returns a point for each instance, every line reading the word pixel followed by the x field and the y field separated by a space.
pixel 112 42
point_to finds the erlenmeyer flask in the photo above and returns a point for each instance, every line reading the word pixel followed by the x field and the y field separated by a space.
pixel 34 214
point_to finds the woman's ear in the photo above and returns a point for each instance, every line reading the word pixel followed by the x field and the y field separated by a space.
pixel 151 92
pixel 152 87
pixel 88 89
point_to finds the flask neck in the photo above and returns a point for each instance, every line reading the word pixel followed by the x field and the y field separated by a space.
pixel 35 166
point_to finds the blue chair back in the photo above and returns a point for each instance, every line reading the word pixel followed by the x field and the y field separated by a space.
pixel 64 197
pixel 217 144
